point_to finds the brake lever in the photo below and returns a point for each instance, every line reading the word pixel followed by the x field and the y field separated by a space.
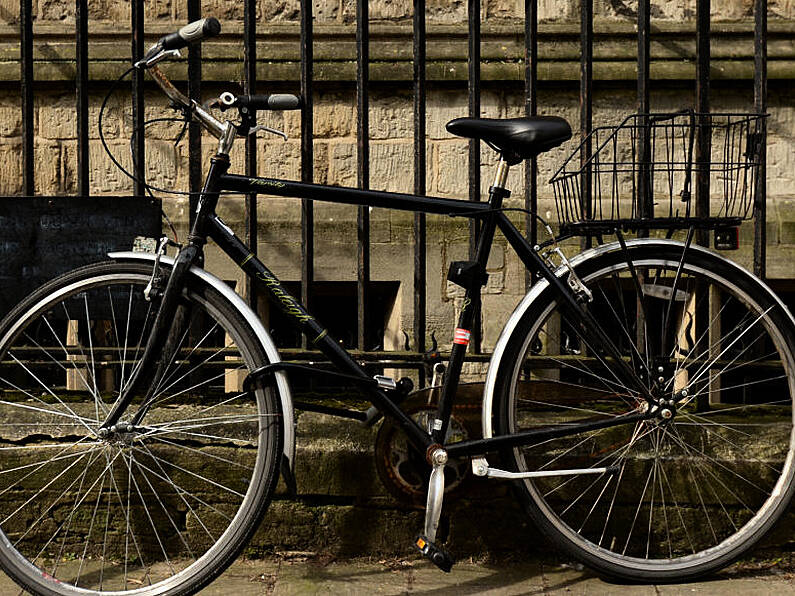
pixel 254 129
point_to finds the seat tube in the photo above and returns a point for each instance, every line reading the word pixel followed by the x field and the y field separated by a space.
pixel 466 318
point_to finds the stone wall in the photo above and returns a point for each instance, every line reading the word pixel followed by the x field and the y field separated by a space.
pixel 391 124
pixel 438 11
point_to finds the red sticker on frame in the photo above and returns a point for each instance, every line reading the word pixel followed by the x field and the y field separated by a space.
pixel 461 337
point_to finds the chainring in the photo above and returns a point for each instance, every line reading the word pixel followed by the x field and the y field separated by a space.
pixel 403 469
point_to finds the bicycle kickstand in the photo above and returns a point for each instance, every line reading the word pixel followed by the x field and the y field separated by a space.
pixel 433 510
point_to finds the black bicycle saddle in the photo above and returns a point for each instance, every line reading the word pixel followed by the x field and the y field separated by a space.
pixel 515 138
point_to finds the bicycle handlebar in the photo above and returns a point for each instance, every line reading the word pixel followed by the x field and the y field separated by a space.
pixel 168 46
pixel 274 101
pixel 190 33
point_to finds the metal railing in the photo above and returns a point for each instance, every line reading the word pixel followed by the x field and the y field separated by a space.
pixel 531 87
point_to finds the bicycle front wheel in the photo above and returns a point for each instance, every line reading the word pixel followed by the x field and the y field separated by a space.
pixel 159 508
pixel 685 494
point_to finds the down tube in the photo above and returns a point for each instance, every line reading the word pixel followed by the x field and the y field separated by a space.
pixel 314 331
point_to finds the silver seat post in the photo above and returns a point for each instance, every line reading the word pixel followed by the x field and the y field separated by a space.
pixel 501 175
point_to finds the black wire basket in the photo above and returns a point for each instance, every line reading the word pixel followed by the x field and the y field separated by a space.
pixel 664 171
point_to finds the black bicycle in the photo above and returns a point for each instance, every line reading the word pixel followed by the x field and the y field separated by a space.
pixel 639 398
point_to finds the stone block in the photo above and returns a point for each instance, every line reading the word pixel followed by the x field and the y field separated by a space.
pixel 58 118
pixel 391 10
pixel 451 172
pixel 220 9
pixel 392 116
pixel 55 10
pixel 503 9
pixel 784 210
pixel 289 122
pixel 9 11
pixel 278 159
pixel 326 11
pixel 342 163
pixel 780 164
pixel 69 166
pixel 104 176
pixel 334 115
pixel 729 10
pixel 442 107
pixel 47 167
pixel 279 10
pixel 112 119
pixel 10 121
pixel 11 168
pixel 446 11
pixel 119 12
pixel 391 166
pixel 558 10
pixel 321 162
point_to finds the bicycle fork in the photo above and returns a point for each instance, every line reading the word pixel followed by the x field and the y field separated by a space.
pixel 163 341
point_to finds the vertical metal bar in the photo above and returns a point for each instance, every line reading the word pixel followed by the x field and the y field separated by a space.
pixel 645 206
pixel 644 45
pixel 760 104
pixel 363 162
pixel 419 177
pixel 473 88
pixel 531 109
pixel 704 302
pixel 139 152
pixel 702 106
pixel 194 128
pixel 586 102
pixel 26 91
pixel 250 88
pixel 81 94
pixel 307 155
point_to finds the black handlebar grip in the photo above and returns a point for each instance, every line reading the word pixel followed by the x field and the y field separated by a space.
pixel 276 101
pixel 195 31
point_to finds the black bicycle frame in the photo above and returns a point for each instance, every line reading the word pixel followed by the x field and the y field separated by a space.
pixel 208 224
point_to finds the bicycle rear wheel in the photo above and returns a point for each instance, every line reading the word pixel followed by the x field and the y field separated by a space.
pixel 159 509
pixel 691 493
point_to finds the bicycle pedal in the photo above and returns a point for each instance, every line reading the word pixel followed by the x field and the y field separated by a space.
pixel 435 554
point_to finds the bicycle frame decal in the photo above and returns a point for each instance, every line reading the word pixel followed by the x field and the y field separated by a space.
pixel 289 304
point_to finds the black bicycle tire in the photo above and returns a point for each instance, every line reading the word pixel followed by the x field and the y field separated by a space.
pixel 668 252
pixel 235 538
